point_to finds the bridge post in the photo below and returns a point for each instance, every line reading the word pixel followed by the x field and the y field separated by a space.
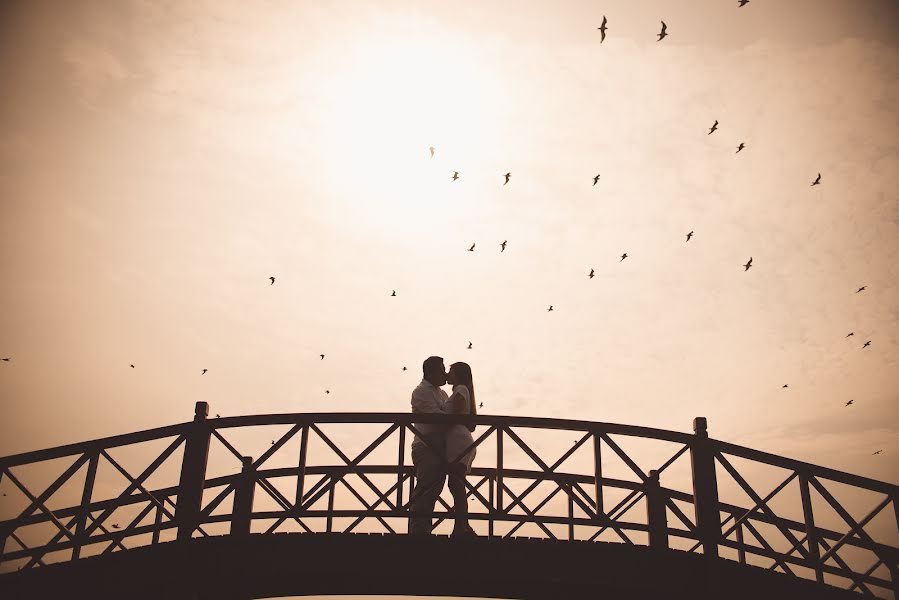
pixel 193 473
pixel 243 499
pixel 656 512
pixel 705 488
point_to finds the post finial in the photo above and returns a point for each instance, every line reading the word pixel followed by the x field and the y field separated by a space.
pixel 247 462
pixel 201 411
pixel 700 426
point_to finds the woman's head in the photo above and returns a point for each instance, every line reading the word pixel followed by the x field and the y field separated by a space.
pixel 460 374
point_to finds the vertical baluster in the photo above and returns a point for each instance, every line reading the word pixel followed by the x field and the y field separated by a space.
pixel 86 495
pixel 894 555
pixel 401 467
pixel 157 525
pixel 490 492
pixel 810 532
pixel 193 473
pixel 5 530
pixel 570 490
pixel 499 470
pixel 656 512
pixel 301 467
pixel 741 550
pixel 597 473
pixel 242 511
pixel 330 504
pixel 705 488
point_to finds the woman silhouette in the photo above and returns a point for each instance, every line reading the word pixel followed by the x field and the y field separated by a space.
pixel 458 439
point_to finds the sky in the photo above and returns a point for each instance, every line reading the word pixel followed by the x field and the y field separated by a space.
pixel 159 161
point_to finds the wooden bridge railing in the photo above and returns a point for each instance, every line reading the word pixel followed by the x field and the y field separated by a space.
pixel 590 492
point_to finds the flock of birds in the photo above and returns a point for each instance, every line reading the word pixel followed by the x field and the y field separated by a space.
pixel 603 28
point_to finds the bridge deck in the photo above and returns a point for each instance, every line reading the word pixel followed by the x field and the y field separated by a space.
pixel 263 566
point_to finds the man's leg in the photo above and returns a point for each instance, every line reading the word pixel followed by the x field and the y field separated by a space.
pixel 430 473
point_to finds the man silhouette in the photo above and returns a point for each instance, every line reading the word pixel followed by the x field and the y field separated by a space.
pixel 428 454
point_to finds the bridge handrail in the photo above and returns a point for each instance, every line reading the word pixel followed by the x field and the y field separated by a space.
pixel 406 418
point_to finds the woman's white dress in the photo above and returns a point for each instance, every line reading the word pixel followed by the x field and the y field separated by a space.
pixel 458 437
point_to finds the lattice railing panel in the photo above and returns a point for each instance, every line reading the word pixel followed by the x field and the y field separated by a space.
pixel 564 480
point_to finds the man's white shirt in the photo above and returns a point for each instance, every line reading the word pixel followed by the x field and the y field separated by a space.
pixel 428 398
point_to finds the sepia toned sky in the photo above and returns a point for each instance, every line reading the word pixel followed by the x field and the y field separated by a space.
pixel 159 161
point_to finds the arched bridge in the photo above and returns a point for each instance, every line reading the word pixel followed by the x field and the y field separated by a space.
pixel 562 508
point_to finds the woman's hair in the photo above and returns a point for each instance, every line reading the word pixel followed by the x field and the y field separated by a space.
pixel 464 372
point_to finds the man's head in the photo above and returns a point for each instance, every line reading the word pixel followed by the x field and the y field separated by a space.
pixel 434 370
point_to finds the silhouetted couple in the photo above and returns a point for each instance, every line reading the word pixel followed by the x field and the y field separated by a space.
pixel 440 453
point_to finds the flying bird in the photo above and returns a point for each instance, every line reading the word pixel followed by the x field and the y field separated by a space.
pixel 204 371
pixel 591 274
pixel 507 176
pixel 472 248
pixel 878 452
pixel 273 281
pixel 861 289
pixel 663 33
pixel 218 416
pixel 602 29
pixel 432 149
pixel 327 391
pixel 785 385
pixel 6 359
pixel 322 357
pixel 481 405
pixel 116 526
pixel 132 366
pixel 596 180
pixel 689 235
pixel 469 345
pixel 404 369
pixel 623 256
pixel 868 343
pixel 714 128
pixel 747 265
pixel 503 245
pixel 455 175
pixel 550 309
pixel 740 147
pixel 850 334
pixel 850 402
pixel 273 442
pixel 392 293
pixel 817 180
pixel 743 3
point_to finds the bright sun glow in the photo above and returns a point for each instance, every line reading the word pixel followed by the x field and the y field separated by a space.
pixel 382 109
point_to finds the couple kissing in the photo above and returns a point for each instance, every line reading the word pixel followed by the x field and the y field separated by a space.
pixel 440 452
